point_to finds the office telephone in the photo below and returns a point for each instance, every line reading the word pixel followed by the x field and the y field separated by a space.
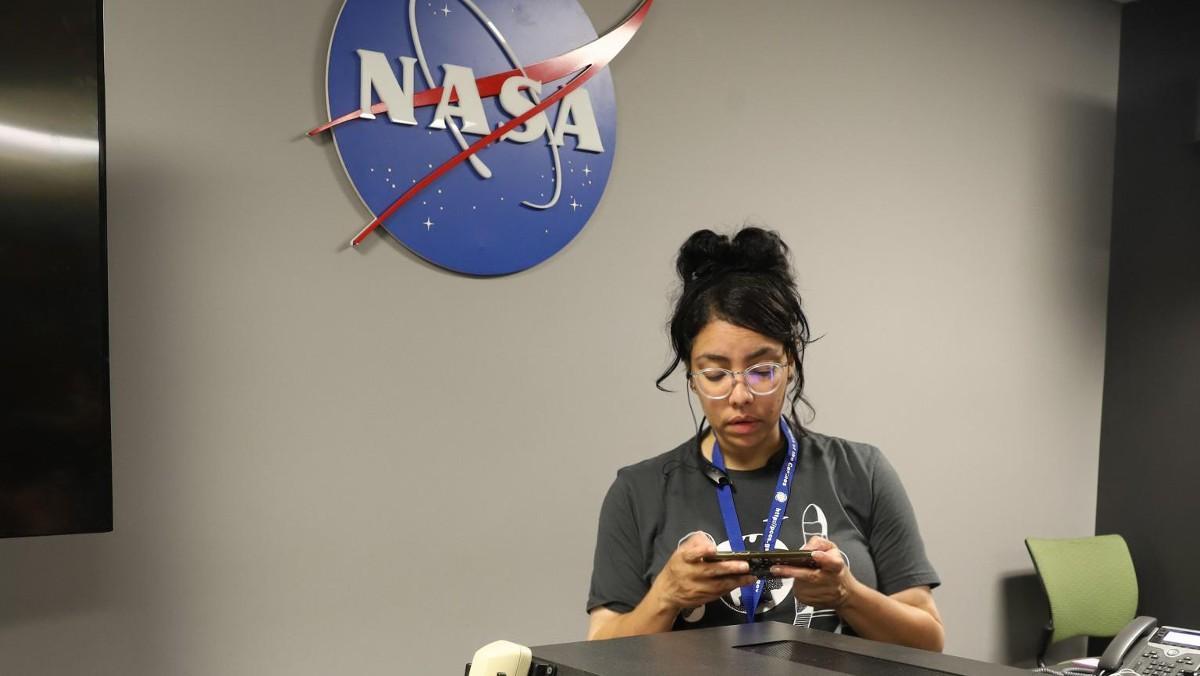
pixel 1143 648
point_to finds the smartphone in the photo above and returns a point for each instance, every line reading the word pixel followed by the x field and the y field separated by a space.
pixel 761 562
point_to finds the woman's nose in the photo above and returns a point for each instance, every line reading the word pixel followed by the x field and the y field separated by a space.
pixel 741 393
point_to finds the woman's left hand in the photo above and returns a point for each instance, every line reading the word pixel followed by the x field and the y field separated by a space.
pixel 827 584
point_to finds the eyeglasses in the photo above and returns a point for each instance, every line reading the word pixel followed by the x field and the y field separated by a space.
pixel 717 383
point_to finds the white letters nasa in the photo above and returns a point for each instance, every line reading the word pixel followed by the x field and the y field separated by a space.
pixel 515 104
pixel 460 81
pixel 376 73
pixel 575 114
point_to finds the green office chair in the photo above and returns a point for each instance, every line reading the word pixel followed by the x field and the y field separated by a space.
pixel 1090 583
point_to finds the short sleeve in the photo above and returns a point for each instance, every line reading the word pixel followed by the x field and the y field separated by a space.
pixel 618 566
pixel 895 541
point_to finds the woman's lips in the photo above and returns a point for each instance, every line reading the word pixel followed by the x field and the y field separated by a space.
pixel 742 426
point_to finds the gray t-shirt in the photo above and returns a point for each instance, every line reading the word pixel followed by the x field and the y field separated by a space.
pixel 843 490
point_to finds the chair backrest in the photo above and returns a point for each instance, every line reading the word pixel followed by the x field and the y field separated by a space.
pixel 1090 583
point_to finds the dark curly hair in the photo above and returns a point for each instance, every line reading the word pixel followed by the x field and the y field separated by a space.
pixel 745 280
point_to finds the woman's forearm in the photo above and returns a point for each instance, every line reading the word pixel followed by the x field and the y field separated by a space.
pixel 893 620
pixel 651 616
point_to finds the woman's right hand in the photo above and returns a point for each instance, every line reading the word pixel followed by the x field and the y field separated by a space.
pixel 687 581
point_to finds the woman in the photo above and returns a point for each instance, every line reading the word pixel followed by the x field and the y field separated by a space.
pixel 739 331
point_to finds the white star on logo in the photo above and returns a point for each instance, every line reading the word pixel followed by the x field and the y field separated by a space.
pixel 574 205
pixel 428 224
pixel 445 10
pixel 586 170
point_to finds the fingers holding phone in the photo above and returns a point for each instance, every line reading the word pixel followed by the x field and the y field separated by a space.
pixel 824 585
pixel 688 580
pixel 761 562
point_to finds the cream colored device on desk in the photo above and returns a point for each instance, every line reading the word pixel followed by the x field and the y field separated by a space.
pixel 501 658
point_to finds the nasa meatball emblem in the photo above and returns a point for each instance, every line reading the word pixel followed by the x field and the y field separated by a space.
pixel 478 133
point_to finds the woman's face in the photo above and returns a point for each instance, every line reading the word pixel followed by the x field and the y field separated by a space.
pixel 743 421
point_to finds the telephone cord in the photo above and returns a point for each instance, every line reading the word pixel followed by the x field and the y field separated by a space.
pixel 1080 671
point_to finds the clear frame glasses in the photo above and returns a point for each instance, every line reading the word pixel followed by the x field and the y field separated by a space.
pixel 760 379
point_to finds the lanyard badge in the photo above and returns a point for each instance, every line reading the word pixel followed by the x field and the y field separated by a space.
pixel 751 593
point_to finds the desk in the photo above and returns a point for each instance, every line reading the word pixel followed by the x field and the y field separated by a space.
pixel 740 649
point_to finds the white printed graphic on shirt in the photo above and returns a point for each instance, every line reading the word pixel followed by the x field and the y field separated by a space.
pixel 814 523
pixel 778 590
pixel 775 591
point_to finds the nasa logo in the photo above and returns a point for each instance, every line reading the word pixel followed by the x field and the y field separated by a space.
pixel 480 133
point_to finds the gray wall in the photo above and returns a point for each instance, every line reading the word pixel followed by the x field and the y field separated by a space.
pixel 299 427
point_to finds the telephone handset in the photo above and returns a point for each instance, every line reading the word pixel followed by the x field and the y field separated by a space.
pixel 1143 648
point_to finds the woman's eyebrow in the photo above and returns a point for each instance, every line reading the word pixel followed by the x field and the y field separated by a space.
pixel 760 352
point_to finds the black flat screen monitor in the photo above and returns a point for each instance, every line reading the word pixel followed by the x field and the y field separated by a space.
pixel 55 443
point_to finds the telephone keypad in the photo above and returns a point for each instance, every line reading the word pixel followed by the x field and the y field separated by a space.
pixel 1169 651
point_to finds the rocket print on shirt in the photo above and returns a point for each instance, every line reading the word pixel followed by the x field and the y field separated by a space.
pixel 813 522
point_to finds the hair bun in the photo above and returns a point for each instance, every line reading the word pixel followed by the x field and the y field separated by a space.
pixel 763 250
pixel 700 253
pixel 707 254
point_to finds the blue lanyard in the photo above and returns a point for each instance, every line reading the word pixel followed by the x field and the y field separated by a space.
pixel 751 593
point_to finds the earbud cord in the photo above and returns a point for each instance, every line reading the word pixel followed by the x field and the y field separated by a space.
pixel 688 393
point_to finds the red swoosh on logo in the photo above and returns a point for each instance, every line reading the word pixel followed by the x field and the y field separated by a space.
pixel 588 60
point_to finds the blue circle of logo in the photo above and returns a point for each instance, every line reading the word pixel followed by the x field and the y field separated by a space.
pixel 517 201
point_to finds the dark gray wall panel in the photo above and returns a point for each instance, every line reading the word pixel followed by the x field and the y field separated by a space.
pixel 1150 434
